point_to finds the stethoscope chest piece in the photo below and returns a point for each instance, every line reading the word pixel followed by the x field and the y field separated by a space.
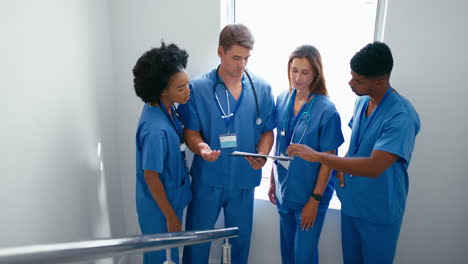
pixel 258 121
pixel 303 116
pixel 183 147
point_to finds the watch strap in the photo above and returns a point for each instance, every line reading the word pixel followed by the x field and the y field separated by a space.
pixel 316 196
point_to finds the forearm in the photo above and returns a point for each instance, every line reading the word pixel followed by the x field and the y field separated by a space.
pixel 323 177
pixel 193 139
pixel 362 166
pixel 265 142
pixel 159 193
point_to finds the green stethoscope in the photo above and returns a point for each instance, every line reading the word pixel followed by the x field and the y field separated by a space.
pixel 305 114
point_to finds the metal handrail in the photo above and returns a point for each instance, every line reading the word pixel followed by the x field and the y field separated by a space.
pixel 102 248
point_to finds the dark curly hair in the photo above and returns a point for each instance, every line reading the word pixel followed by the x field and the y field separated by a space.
pixel 374 60
pixel 154 68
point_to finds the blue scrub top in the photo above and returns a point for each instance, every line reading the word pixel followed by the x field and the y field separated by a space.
pixel 295 185
pixel 158 149
pixel 393 129
pixel 202 114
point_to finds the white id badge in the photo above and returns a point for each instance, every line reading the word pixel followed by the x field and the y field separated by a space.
pixel 284 163
pixel 228 140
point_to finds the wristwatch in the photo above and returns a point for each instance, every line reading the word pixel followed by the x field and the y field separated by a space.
pixel 316 196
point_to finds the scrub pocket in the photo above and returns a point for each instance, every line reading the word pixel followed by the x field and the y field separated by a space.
pixel 181 195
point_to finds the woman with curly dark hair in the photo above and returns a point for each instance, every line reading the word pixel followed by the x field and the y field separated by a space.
pixel 162 184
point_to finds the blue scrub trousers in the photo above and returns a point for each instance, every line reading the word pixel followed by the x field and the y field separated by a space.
pixel 299 246
pixel 203 211
pixel 153 222
pixel 364 242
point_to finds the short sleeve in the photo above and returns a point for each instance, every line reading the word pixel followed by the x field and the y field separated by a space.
pixel 398 136
pixel 268 109
pixel 189 113
pixel 331 136
pixel 154 148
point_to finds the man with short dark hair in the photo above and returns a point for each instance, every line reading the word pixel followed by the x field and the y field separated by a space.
pixel 374 174
pixel 229 110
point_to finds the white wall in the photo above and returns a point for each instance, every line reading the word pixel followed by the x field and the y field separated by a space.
pixel 56 104
pixel 429 40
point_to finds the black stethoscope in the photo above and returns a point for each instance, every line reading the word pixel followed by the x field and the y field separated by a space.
pixel 258 120
pixel 176 123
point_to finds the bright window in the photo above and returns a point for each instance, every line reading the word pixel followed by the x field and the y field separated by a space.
pixel 338 29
